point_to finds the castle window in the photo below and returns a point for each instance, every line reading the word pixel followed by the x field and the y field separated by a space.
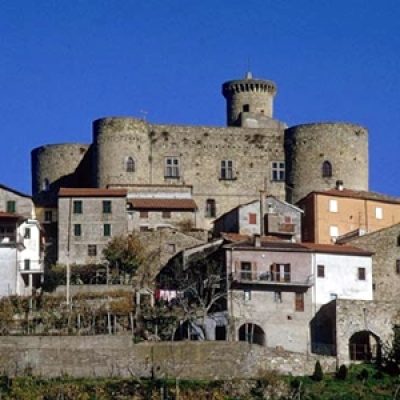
pixel 246 107
pixel 227 169
pixel 210 208
pixel 326 169
pixel 278 171
pixel 171 167
pixel 11 206
pixel 77 206
pixel 92 250
pixel 45 184
pixel 130 164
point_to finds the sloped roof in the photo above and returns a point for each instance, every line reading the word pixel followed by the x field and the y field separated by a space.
pixel 9 189
pixel 163 204
pixel 6 215
pixel 91 192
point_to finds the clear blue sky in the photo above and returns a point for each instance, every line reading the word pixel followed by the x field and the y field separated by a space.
pixel 65 63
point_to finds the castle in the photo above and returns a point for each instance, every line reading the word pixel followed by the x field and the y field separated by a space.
pixel 217 167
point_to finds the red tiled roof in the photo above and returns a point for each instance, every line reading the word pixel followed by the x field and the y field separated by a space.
pixel 91 192
pixel 357 194
pixel 163 204
pixel 7 215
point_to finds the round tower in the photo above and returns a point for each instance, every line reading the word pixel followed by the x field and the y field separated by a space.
pixel 318 155
pixel 121 151
pixel 55 165
pixel 248 95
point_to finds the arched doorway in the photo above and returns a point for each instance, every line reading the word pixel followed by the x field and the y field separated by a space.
pixel 252 333
pixel 364 346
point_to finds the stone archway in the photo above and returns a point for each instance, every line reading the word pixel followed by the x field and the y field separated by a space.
pixel 252 334
pixel 364 346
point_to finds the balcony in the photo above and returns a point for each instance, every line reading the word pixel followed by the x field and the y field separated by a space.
pixel 271 279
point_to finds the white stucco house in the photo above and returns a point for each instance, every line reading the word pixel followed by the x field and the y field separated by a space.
pixel 21 255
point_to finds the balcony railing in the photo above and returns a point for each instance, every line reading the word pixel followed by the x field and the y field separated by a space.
pixel 271 278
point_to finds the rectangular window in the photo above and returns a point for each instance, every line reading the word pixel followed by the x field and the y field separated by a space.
pixel 361 274
pixel 333 206
pixel 211 209
pixel 278 297
pixel 171 167
pixel 27 233
pixel 280 272
pixel 321 271
pixel 227 169
pixel 143 214
pixel 398 267
pixel 245 271
pixel 27 265
pixel 11 206
pixel 278 170
pixel 107 209
pixel 107 230
pixel 166 214
pixel 299 301
pixel 252 219
pixel 144 228
pixel 379 213
pixel 77 230
pixel 77 207
pixel 333 231
pixel 48 216
pixel 92 250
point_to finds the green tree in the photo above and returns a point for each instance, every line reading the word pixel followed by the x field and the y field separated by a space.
pixel 124 253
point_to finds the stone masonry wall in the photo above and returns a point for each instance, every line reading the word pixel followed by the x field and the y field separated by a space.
pixel 108 356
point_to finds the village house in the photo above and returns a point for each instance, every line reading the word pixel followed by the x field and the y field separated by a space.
pixel 332 213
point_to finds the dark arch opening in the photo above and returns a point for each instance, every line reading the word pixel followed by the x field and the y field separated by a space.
pixel 364 346
pixel 326 169
pixel 130 164
pixel 252 334
pixel 189 330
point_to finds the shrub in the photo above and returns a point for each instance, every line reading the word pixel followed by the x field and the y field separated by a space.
pixel 363 375
pixel 318 375
pixel 342 373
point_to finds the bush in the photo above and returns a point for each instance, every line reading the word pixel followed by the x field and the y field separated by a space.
pixel 342 373
pixel 363 375
pixel 318 375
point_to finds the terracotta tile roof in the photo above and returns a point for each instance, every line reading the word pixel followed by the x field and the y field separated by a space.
pixel 337 249
pixel 91 192
pixel 163 204
pixel 357 194
pixel 7 215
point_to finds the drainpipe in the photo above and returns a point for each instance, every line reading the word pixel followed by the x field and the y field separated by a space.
pixel 261 212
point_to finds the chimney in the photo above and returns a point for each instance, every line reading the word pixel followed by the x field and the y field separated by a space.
pixel 339 185
pixel 257 240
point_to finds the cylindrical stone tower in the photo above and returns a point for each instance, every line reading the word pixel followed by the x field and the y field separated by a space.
pixel 54 165
pixel 255 96
pixel 318 155
pixel 121 151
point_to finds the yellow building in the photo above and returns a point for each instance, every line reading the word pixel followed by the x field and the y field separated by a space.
pixel 332 213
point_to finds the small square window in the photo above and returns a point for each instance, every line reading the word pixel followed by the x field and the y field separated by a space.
pixel 77 207
pixel 166 214
pixel 27 233
pixel 107 230
pixel 333 206
pixel 77 230
pixel 361 274
pixel 92 250
pixel 321 271
pixel 11 206
pixel 379 213
pixel 252 219
pixel 107 207
pixel 143 214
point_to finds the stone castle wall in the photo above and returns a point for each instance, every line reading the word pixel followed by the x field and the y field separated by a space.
pixel 307 146
pixel 110 356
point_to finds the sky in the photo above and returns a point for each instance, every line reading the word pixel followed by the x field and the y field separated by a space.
pixel 66 63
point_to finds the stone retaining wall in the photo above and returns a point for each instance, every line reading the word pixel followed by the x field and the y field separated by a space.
pixel 107 356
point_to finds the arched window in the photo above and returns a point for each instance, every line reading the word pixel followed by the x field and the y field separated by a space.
pixel 327 169
pixel 130 164
pixel 45 184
